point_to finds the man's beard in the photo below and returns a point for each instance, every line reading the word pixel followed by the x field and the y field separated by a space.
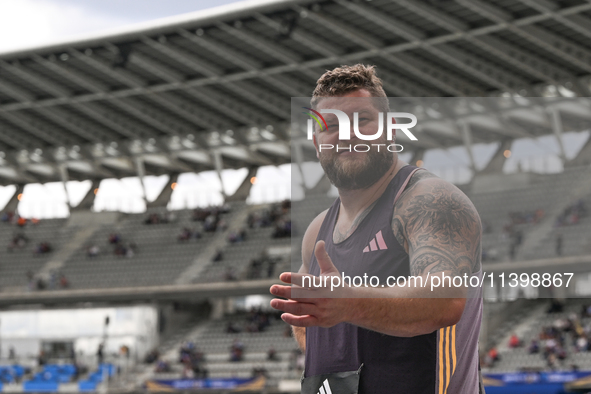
pixel 356 174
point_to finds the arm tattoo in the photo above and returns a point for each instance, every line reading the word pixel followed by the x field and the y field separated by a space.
pixel 441 216
pixel 439 228
pixel 338 237
pixel 433 260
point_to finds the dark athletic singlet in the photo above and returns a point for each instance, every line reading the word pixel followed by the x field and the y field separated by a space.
pixel 445 361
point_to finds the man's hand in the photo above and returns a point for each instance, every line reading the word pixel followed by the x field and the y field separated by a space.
pixel 312 306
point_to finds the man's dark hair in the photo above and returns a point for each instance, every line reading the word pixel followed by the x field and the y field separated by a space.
pixel 345 79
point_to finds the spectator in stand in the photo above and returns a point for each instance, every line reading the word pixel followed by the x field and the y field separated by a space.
pixel 534 347
pixel 7 217
pixel 129 251
pixel 153 218
pixel 152 356
pixel 222 225
pixel 259 371
pixel 210 224
pixel 230 329
pixel 236 350
pixel 120 250
pixel 272 354
pixel 21 222
pixel 282 229
pixel 514 341
pixel 19 241
pixel 572 214
pixel 42 248
pixel 218 255
pixel 185 235
pixel 237 236
pixel 114 238
pixel 229 274
pixel 551 361
pixel 582 344
pixel 92 251
pixel 162 366
pixel 170 217
pixel 492 356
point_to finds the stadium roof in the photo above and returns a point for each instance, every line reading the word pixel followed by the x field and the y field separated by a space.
pixel 213 88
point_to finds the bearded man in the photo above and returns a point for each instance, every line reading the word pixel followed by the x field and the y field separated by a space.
pixel 391 220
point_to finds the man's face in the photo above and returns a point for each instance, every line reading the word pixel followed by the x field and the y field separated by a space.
pixel 352 170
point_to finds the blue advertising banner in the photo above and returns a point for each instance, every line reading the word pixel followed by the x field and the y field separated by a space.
pixel 236 384
pixel 536 382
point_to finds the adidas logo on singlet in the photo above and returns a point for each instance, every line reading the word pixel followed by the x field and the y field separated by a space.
pixel 377 243
pixel 325 388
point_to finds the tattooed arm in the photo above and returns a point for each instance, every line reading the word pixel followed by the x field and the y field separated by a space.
pixel 441 231
pixel 438 227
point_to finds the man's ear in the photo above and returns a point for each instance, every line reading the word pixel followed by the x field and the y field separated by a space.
pixel 315 145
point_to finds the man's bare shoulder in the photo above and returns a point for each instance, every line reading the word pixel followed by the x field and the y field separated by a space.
pixel 424 182
pixel 309 239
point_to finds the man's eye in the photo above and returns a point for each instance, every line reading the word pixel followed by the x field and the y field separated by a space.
pixel 363 119
pixel 332 126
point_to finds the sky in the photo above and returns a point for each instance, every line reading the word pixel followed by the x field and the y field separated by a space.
pixel 31 23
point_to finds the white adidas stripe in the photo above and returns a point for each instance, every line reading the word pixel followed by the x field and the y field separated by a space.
pixel 326 389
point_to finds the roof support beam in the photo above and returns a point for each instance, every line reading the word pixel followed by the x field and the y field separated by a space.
pixel 242 60
pixel 88 200
pixel 467 136
pixel 467 63
pixel 550 42
pixel 35 79
pixel 63 171
pixel 232 108
pixel 13 138
pixel 119 74
pixel 497 161
pixel 108 120
pixel 557 129
pixel 83 81
pixel 16 92
pixel 520 58
pixel 391 83
pixel 498 25
pixel 172 103
pixel 12 204
pixel 211 71
pixel 83 129
pixel 216 158
pixel 141 173
pixel 550 7
pixel 37 130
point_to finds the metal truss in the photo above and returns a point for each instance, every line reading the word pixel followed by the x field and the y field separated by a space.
pixel 160 90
